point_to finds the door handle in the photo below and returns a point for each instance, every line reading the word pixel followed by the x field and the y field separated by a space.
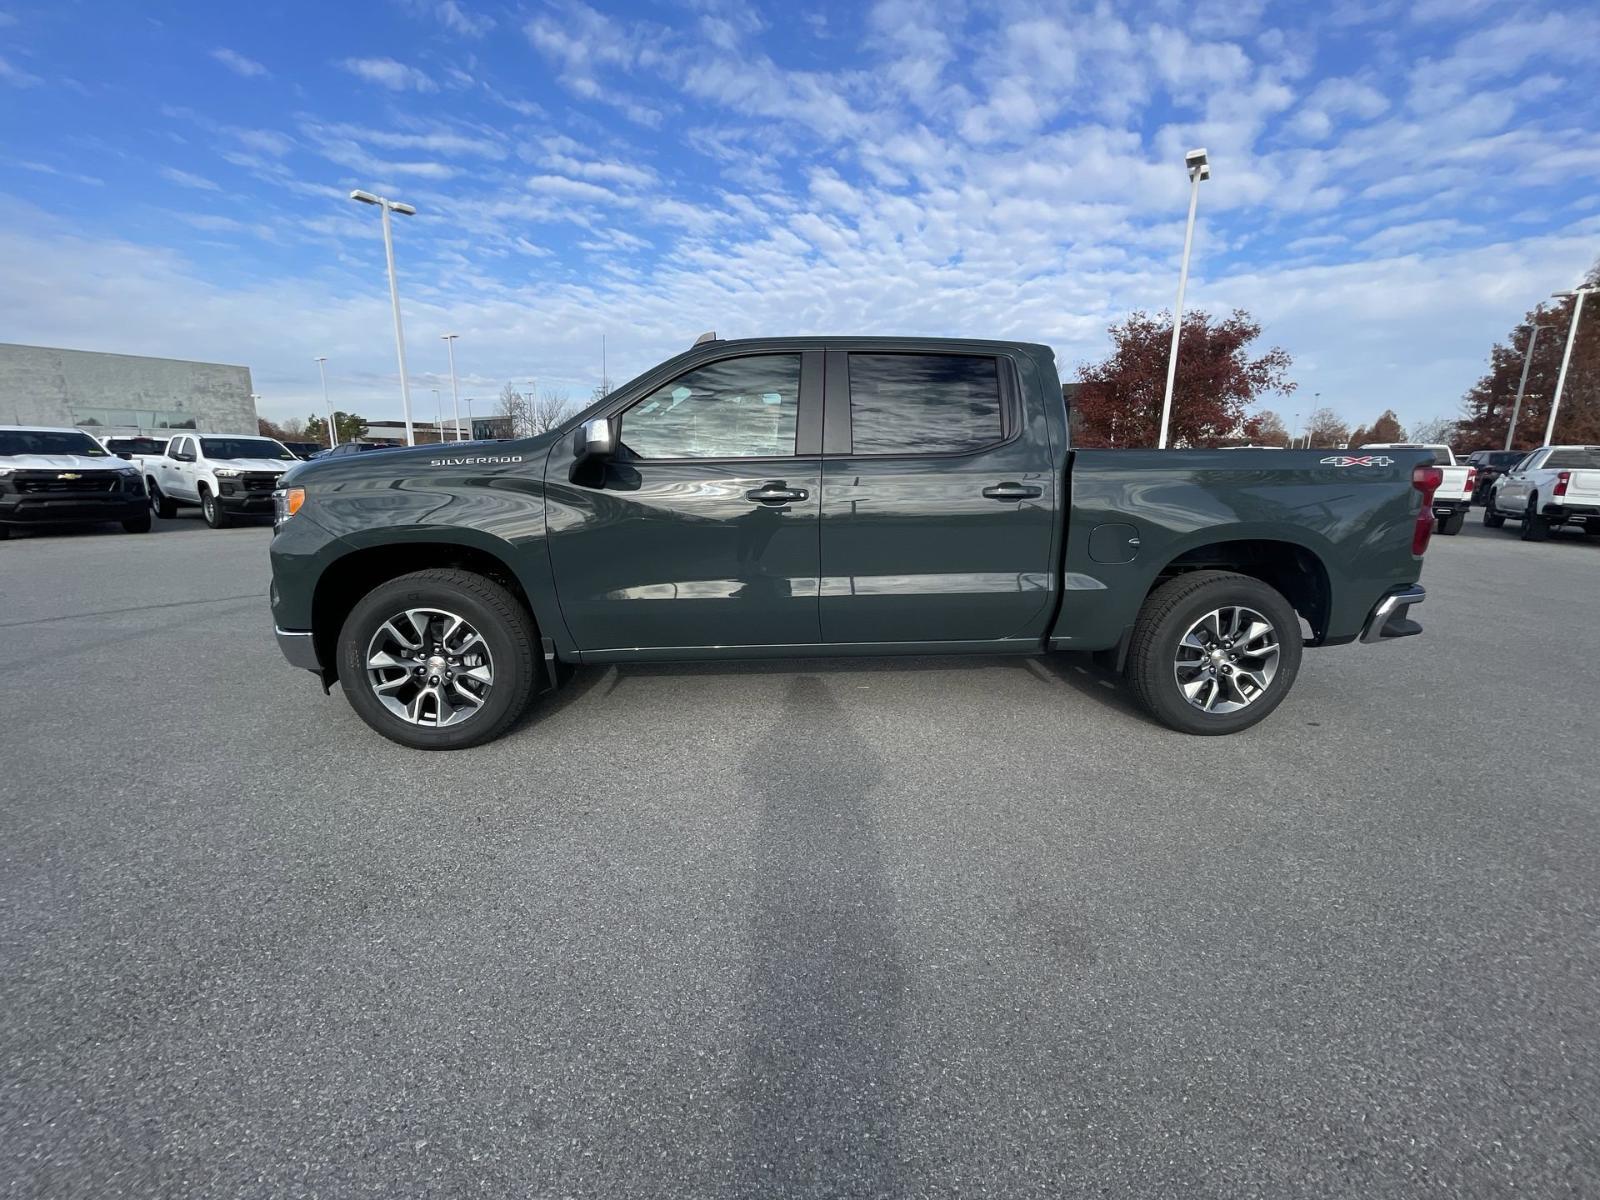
pixel 1013 491
pixel 774 493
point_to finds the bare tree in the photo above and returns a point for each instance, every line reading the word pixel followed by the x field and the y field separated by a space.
pixel 514 406
pixel 1325 430
pixel 549 409
pixel 601 389
pixel 1440 431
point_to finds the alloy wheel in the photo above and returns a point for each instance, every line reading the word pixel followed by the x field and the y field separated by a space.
pixel 1227 659
pixel 429 667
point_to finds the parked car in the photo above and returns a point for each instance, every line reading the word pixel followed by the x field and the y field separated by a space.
pixel 64 477
pixel 726 505
pixel 130 447
pixel 303 450
pixel 225 475
pixel 1491 464
pixel 1453 499
pixel 1553 486
pixel 344 449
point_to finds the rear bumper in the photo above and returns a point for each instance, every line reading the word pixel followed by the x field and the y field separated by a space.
pixel 298 647
pixel 1389 619
pixel 55 508
pixel 1571 512
pixel 1447 508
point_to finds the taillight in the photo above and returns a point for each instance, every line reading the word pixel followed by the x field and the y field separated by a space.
pixel 1562 479
pixel 1426 480
pixel 1472 480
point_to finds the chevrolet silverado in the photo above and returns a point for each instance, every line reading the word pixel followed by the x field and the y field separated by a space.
pixel 834 496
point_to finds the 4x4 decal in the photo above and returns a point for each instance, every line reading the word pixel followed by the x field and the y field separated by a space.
pixel 1358 460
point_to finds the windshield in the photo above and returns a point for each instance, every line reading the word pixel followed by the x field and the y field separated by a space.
pixel 49 441
pixel 244 447
pixel 136 445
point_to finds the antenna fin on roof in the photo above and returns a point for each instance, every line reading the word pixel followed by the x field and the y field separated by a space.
pixel 709 335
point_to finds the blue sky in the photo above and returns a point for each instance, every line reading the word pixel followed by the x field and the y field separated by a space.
pixel 1395 183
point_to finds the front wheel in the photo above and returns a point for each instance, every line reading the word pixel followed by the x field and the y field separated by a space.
pixel 216 516
pixel 1213 652
pixel 439 659
pixel 139 524
pixel 1493 518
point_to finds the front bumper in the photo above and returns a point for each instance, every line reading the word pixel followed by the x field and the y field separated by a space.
pixel 246 502
pixel 55 508
pixel 1389 619
pixel 298 647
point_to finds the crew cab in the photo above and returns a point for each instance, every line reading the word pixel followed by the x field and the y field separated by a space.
pixel 54 476
pixel 1453 498
pixel 227 475
pixel 782 498
pixel 1551 487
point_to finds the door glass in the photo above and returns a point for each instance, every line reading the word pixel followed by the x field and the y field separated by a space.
pixel 923 403
pixel 736 408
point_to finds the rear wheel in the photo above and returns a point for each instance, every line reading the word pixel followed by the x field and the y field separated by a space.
pixel 1213 652
pixel 216 516
pixel 439 660
pixel 1451 525
pixel 159 503
pixel 5 532
pixel 139 524
pixel 1534 527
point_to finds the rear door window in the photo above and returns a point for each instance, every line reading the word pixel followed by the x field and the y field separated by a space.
pixel 924 403
pixel 1573 460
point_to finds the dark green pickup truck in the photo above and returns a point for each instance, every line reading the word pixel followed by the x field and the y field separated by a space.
pixel 834 496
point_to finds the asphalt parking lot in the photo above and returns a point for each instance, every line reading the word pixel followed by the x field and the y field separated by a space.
pixel 925 927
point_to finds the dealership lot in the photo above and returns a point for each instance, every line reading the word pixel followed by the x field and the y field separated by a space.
pixel 914 927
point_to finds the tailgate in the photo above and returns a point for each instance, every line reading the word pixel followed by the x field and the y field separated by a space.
pixel 1454 486
pixel 1583 487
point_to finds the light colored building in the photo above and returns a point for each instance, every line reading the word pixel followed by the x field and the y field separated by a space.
pixel 393 433
pixel 122 393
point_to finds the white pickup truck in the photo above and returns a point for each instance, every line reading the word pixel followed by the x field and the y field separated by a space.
pixel 225 474
pixel 1553 486
pixel 1453 498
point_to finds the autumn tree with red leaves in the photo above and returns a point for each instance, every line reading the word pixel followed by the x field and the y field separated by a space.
pixel 1487 405
pixel 1386 428
pixel 1119 403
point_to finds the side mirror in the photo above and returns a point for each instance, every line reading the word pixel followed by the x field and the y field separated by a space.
pixel 593 441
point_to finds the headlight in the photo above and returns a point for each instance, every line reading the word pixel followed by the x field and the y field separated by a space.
pixel 227 473
pixel 285 503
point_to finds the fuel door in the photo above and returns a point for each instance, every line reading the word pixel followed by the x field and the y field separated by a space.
pixel 1115 543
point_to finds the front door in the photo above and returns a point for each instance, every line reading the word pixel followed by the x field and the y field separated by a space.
pixel 939 508
pixel 701 531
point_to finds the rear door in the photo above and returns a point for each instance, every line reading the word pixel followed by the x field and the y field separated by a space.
pixel 177 475
pixel 938 502
pixel 702 530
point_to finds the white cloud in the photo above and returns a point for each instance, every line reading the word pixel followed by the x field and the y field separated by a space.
pixel 238 63
pixel 459 20
pixel 386 72
pixel 16 76
pixel 188 179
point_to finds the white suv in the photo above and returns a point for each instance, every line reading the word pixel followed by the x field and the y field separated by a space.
pixel 225 474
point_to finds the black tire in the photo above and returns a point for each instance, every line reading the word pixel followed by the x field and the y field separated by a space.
pixel 139 524
pixel 1451 525
pixel 5 532
pixel 216 516
pixel 159 502
pixel 1492 517
pixel 1534 527
pixel 1168 614
pixel 505 625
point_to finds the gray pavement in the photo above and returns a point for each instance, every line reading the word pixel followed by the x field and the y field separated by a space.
pixel 926 927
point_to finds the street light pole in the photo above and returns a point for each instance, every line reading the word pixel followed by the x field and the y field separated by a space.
pixel 1527 361
pixel 384 206
pixel 333 437
pixel 1566 356
pixel 1199 169
pixel 455 393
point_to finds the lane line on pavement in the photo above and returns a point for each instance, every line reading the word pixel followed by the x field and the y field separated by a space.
pixel 113 612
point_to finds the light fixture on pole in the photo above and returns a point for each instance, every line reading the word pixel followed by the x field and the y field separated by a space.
pixel 1566 355
pixel 385 207
pixel 333 437
pixel 455 392
pixel 1527 360
pixel 1199 168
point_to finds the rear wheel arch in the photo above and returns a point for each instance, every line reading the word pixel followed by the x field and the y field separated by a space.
pixel 1292 569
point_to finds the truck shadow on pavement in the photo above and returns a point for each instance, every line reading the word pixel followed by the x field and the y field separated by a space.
pixel 817 1091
